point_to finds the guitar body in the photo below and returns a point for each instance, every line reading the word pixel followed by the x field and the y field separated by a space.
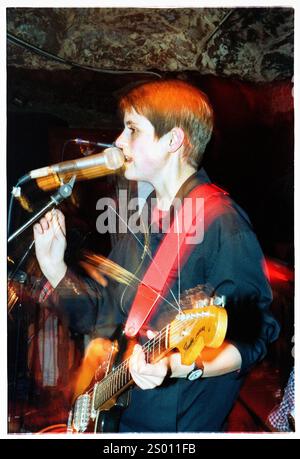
pixel 110 356
pixel 108 420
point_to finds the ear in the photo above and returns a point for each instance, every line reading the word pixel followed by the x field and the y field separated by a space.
pixel 176 139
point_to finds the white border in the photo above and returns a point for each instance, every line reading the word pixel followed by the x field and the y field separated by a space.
pixel 125 3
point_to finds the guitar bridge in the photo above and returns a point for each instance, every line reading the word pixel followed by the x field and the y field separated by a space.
pixel 82 410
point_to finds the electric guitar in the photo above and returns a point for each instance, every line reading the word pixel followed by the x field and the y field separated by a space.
pixel 204 323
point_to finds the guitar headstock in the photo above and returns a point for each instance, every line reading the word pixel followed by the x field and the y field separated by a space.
pixel 204 324
pixel 201 296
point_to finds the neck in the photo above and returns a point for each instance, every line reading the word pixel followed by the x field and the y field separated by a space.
pixel 167 189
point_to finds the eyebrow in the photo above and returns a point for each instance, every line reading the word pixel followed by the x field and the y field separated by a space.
pixel 130 123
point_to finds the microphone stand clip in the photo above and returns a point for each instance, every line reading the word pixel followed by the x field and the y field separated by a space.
pixel 64 192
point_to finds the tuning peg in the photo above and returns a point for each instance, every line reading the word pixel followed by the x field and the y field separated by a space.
pixel 219 300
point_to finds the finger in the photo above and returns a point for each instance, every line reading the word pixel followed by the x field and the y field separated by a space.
pixel 155 370
pixel 146 376
pixel 161 367
pixel 61 220
pixel 142 380
pixel 44 224
pixel 151 380
pixel 60 214
pixel 137 361
pixel 58 226
pixel 49 216
pixel 37 229
pixel 151 334
pixel 57 214
pixel 175 359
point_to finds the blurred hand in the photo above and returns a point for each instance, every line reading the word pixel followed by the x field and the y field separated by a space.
pixel 50 245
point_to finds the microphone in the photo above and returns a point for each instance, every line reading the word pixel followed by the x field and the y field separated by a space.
pixel 96 144
pixel 109 160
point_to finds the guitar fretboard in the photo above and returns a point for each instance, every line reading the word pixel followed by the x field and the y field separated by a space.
pixel 117 380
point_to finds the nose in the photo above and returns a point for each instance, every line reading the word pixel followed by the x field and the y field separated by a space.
pixel 120 141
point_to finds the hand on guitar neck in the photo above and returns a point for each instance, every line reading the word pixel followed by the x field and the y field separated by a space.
pixel 224 359
pixel 199 330
pixel 148 376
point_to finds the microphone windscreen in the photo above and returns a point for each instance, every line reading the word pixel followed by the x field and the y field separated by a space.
pixel 114 158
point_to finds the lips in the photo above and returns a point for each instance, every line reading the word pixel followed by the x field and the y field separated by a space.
pixel 128 160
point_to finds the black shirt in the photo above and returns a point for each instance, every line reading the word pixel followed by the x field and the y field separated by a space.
pixel 229 260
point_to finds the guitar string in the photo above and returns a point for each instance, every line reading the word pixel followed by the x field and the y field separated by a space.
pixel 149 255
pixel 178 258
pixel 148 345
pixel 120 273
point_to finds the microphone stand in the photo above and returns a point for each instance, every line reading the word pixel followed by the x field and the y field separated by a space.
pixel 62 193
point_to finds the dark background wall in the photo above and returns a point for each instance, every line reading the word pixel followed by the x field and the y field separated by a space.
pixel 251 154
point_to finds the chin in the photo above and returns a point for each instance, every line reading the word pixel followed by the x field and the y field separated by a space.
pixel 131 175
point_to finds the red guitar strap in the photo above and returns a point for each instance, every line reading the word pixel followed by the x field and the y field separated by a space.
pixel 174 245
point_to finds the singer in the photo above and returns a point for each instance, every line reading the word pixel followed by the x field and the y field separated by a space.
pixel 167 126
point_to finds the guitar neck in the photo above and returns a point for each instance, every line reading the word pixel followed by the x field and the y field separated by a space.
pixel 189 333
pixel 119 378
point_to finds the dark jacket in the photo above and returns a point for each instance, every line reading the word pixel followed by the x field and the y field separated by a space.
pixel 229 260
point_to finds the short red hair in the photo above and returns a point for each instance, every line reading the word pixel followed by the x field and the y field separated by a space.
pixel 174 103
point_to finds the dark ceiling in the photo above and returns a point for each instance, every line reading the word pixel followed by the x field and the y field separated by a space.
pixel 73 62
